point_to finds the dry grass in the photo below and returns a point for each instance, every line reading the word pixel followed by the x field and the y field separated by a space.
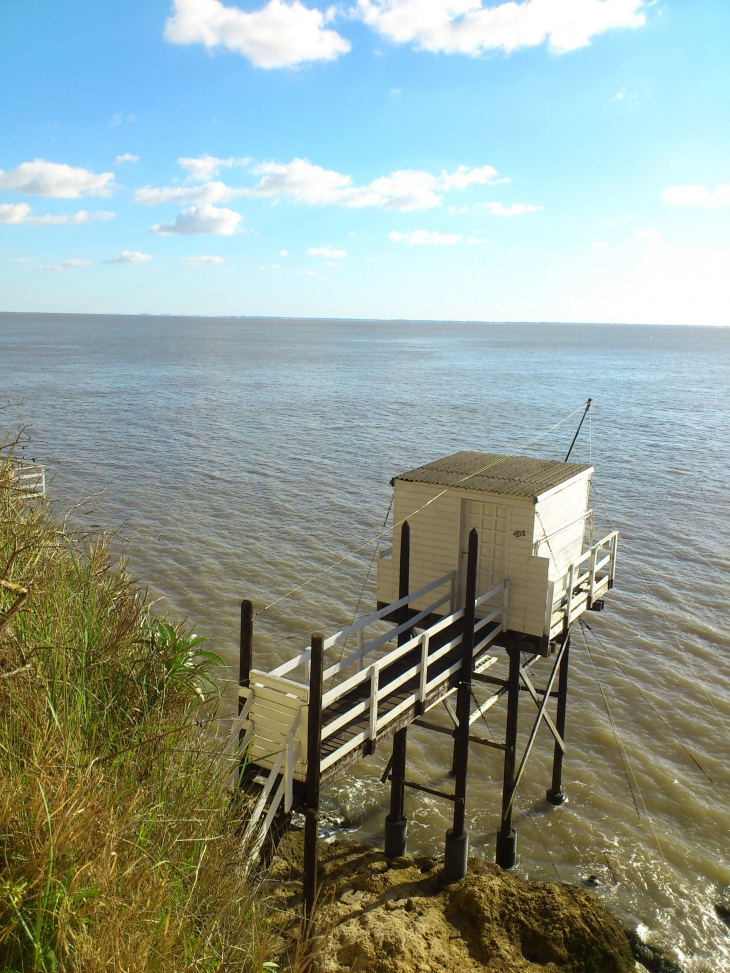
pixel 118 840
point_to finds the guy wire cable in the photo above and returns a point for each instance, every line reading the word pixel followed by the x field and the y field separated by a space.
pixel 617 737
pixel 619 744
pixel 362 590
pixel 377 537
pixel 648 703
pixel 672 631
pixel 613 727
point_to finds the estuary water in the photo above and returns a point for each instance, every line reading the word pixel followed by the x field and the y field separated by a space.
pixel 239 457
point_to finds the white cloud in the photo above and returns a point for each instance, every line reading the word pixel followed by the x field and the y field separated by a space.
pixel 205 166
pixel 404 190
pixel 201 261
pixel 303 182
pixel 127 157
pixel 277 35
pixel 326 252
pixel 208 192
pixel 129 257
pixel 476 240
pixel 697 196
pixel 283 253
pixel 516 209
pixel 467 27
pixel 652 237
pixel 425 237
pixel 21 213
pixel 464 177
pixel 68 264
pixel 119 118
pixel 313 273
pixel 201 219
pixel 41 178
pixel 14 213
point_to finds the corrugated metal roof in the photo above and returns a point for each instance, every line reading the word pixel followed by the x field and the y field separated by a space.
pixel 518 476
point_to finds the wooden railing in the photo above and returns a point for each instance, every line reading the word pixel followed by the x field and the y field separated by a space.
pixel 357 629
pixel 28 478
pixel 578 588
pixel 275 705
pixel 426 686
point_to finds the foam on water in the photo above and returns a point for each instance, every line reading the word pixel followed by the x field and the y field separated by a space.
pixel 238 457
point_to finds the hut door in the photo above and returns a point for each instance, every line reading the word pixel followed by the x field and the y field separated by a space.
pixel 492 523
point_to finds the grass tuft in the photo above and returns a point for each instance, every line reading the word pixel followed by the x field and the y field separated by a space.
pixel 120 845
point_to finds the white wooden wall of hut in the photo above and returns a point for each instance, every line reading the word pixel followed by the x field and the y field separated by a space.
pixel 510 539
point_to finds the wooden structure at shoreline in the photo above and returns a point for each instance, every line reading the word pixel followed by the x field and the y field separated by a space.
pixel 28 478
pixel 492 556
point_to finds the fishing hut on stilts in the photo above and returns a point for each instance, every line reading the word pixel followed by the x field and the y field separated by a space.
pixel 492 560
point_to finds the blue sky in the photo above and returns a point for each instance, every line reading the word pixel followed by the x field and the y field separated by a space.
pixel 557 160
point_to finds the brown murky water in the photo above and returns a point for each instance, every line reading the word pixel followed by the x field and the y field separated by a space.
pixel 239 457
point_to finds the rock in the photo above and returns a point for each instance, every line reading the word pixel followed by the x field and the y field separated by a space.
pixel 650 957
pixel 354 899
pixel 722 903
pixel 402 917
pixel 592 882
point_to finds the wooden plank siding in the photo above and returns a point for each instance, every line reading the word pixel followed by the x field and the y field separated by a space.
pixel 559 508
pixel 438 545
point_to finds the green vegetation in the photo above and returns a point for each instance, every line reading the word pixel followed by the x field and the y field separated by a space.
pixel 120 846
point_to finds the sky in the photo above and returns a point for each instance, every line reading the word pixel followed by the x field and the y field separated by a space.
pixel 543 160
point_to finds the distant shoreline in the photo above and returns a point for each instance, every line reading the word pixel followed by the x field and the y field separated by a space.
pixel 61 317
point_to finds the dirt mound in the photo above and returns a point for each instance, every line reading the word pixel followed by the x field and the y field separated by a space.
pixel 401 917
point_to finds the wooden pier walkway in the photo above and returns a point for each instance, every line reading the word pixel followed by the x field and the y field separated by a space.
pixel 344 711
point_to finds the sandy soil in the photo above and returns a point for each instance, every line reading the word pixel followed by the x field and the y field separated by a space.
pixel 400 916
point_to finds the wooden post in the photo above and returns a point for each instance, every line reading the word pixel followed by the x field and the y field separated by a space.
pixel 506 836
pixel 457 840
pixel 245 664
pixel 555 795
pixel 404 578
pixel 314 742
pixel 245 655
pixel 396 824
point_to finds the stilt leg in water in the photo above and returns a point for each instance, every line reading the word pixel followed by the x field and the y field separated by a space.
pixel 506 836
pixel 555 794
pixel 456 852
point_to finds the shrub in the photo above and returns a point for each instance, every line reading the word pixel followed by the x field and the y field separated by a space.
pixel 120 845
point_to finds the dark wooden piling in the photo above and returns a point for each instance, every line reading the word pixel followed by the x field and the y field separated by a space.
pixel 457 840
pixel 506 838
pixel 245 664
pixel 245 645
pixel 314 741
pixel 396 824
pixel 555 794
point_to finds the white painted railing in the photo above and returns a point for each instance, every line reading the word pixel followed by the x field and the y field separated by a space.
pixel 28 478
pixel 576 590
pixel 279 766
pixel 358 628
pixel 425 686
